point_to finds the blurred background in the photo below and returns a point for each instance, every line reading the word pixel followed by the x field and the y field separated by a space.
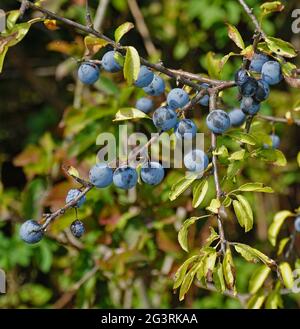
pixel 130 252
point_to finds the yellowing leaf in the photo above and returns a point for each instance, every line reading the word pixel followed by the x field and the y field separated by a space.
pixel 258 278
pixel 274 228
pixel 132 65
pixel 287 274
pixel 235 36
pixel 255 187
pixel 256 301
pixel 214 206
pixel 122 29
pixel 213 65
pixel 253 255
pixel 73 172
pixel 129 113
pixel 229 270
pixel 93 44
pixel 270 7
pixel 51 24
pixel 199 191
pixel 180 273
pixel 179 187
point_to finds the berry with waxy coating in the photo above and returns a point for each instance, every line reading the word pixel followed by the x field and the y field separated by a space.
pixel 164 118
pixel 77 228
pixel 249 87
pixel 185 128
pixel 275 142
pixel 144 78
pixel 156 87
pixel 241 77
pixel 218 121
pixel 258 61
pixel 237 117
pixel 144 104
pixel 177 98
pixel 152 173
pixel 271 72
pixel 297 224
pixel 262 92
pixel 88 73
pixel 109 63
pixel 31 231
pixel 74 193
pixel 125 177
pixel 101 175
pixel 249 105
pixel 196 160
pixel 204 101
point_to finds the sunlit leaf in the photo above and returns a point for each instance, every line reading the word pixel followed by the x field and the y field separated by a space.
pixel 258 278
pixel 131 65
pixel 286 274
pixel 235 36
pixel 129 113
pixel 199 191
pixel 274 228
pixel 122 30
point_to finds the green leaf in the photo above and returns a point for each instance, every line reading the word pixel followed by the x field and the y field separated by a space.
pixel 274 228
pixel 255 187
pixel 258 278
pixel 131 65
pixel 235 36
pixel 273 301
pixel 282 244
pixel 180 273
pixel 123 29
pixel 129 113
pixel 256 301
pixel 209 262
pixel 270 7
pixel 183 232
pixel 219 278
pixel 238 155
pixel 229 270
pixel 199 191
pixel 253 255
pixel 187 281
pixel 281 47
pixel 225 59
pixel 241 137
pixel 213 65
pixel 298 159
pixel 287 274
pixel 243 212
pixel 119 58
pixel 271 155
pixel 233 169
pixel 227 201
pixel 93 44
pixel 214 206
pixel 182 185
pixel 12 18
